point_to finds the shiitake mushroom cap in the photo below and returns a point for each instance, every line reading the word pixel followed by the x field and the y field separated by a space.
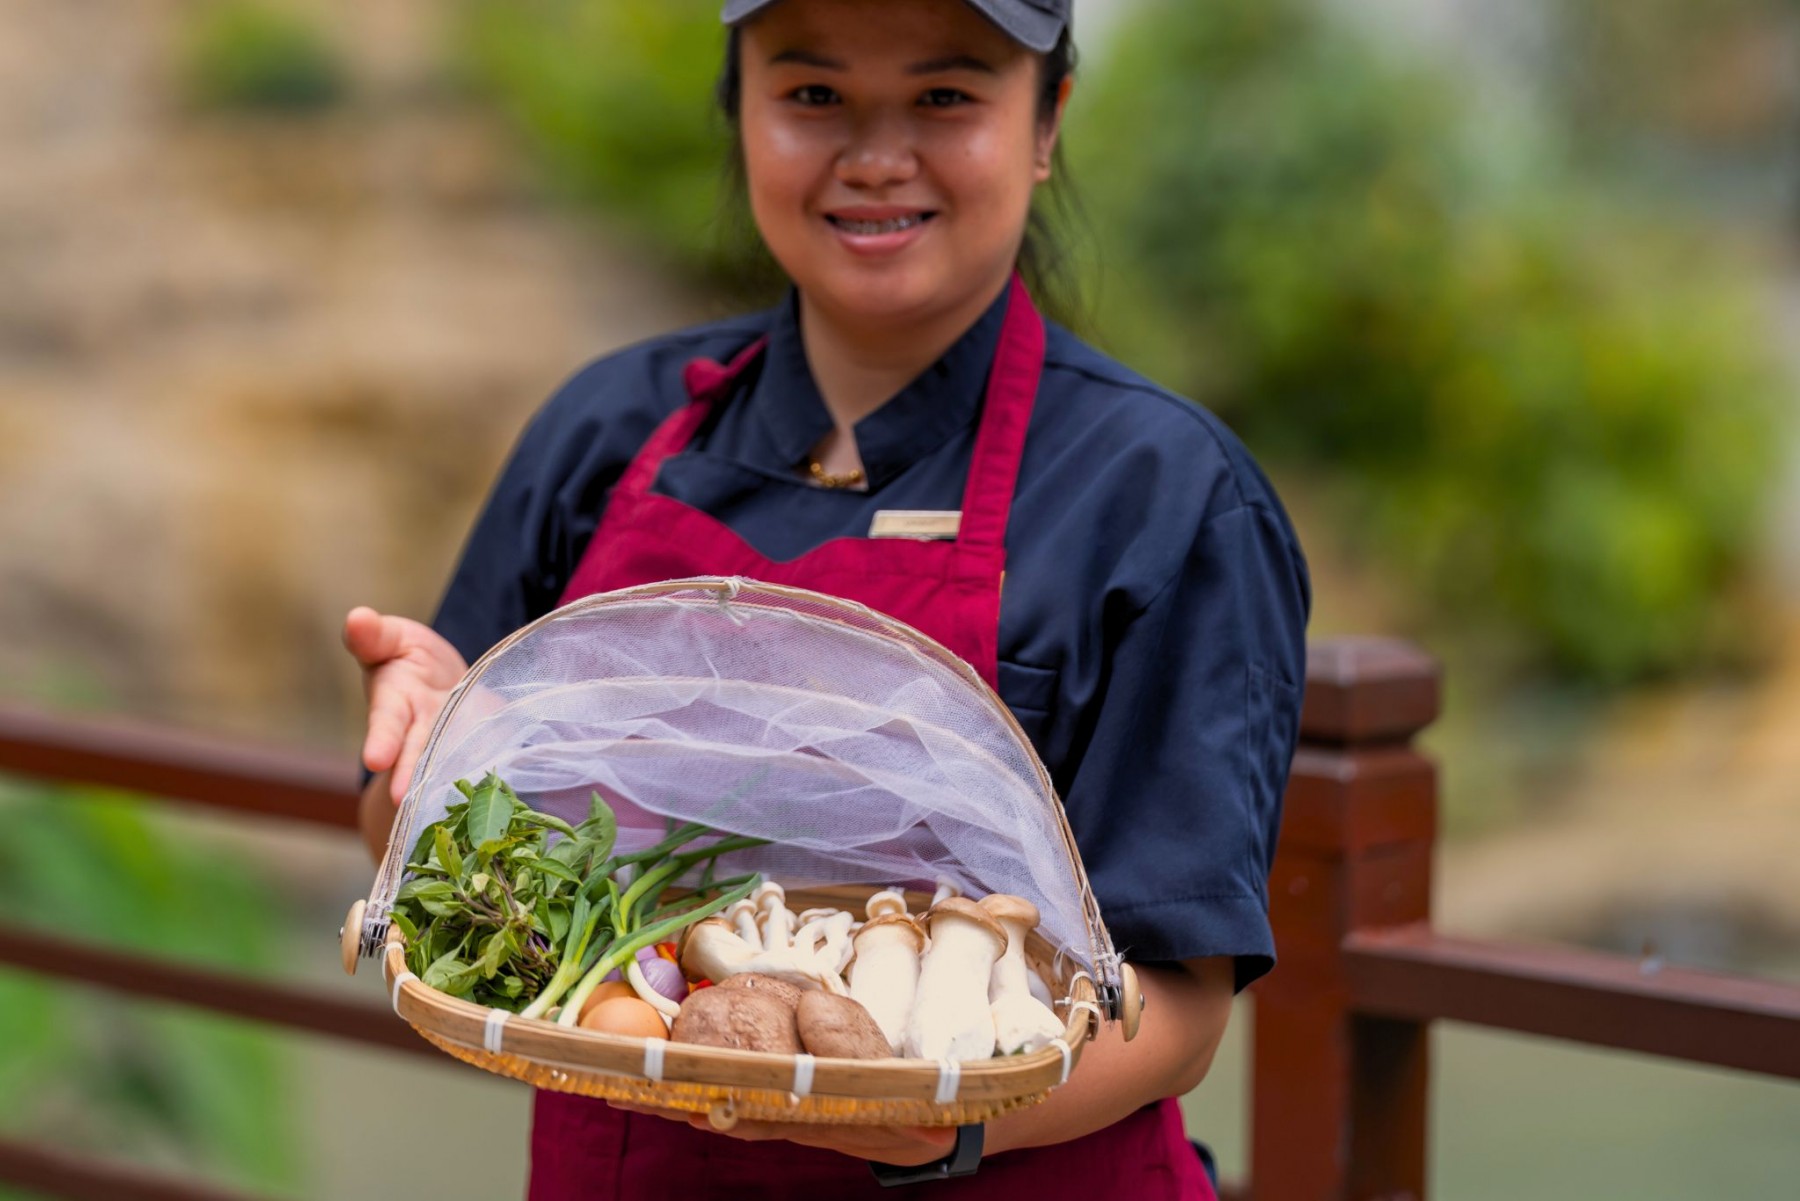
pixel 787 993
pixel 839 1027
pixel 746 1019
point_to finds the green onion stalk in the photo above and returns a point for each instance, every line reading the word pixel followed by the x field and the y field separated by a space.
pixel 630 941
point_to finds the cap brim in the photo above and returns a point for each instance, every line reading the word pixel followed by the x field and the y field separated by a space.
pixel 1026 24
pixel 742 10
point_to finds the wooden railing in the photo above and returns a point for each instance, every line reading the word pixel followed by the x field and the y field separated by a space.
pixel 1339 1088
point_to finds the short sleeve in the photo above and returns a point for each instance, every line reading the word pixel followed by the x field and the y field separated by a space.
pixel 1176 801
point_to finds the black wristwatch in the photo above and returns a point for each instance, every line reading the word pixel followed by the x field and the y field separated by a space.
pixel 963 1159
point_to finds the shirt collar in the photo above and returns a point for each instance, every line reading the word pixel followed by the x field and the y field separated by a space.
pixel 944 399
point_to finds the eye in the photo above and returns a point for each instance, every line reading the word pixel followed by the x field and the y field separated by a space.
pixel 813 95
pixel 944 98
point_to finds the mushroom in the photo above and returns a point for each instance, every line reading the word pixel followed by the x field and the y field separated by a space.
pixel 950 1016
pixel 946 888
pixel 711 950
pixel 747 1019
pixel 826 934
pixel 772 915
pixel 781 990
pixel 885 902
pixel 742 916
pixel 884 975
pixel 779 957
pixel 1021 1021
pixel 838 1026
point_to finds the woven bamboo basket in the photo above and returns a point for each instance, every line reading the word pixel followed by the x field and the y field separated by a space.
pixel 729 1085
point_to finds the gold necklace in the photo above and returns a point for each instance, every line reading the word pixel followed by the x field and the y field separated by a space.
pixel 849 479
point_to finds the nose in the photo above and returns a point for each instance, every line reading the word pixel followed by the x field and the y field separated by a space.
pixel 880 152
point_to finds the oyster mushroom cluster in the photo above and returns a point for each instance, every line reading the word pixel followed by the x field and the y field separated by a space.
pixel 951 983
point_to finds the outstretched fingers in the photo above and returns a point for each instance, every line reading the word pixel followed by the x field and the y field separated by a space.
pixel 373 638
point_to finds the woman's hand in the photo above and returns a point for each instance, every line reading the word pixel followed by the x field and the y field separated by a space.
pixel 408 672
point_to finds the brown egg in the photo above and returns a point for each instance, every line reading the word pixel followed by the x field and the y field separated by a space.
pixel 625 1015
pixel 606 992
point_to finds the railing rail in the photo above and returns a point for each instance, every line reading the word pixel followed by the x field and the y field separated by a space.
pixel 1340 1058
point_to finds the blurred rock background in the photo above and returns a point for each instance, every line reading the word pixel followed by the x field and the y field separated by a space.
pixel 1505 296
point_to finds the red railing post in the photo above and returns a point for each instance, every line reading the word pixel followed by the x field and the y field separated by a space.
pixel 1338 1108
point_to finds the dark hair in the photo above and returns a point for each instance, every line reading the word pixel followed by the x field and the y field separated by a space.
pixel 1044 258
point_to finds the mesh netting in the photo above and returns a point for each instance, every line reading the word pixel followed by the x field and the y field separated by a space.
pixel 864 752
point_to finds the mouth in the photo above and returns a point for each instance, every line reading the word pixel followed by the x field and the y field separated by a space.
pixel 874 227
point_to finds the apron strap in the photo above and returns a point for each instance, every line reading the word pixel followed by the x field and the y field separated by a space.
pixel 1006 415
pixel 707 382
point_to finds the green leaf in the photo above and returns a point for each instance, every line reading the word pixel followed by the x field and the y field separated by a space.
pixel 490 813
pixel 601 827
pixel 493 953
pixel 551 866
pixel 556 923
pixel 442 971
pixel 547 820
pixel 407 928
pixel 446 852
pixel 436 897
pixel 479 882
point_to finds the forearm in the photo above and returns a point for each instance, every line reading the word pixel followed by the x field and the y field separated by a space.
pixel 1185 1011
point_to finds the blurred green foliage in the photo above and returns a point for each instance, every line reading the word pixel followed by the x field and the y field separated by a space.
pixel 84 1069
pixel 1550 412
pixel 1544 410
pixel 616 100
pixel 254 55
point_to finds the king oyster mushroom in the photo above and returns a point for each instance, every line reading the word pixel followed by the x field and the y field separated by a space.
pixel 950 1016
pixel 884 975
pixel 1021 1021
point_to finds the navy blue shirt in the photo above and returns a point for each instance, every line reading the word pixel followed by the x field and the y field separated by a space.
pixel 1152 626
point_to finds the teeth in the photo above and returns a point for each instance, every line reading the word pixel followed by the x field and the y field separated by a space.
pixel 872 228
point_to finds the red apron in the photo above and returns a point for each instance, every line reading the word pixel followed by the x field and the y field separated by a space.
pixel 583 1150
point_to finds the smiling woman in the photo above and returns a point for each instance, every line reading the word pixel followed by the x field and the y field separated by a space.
pixel 1149 636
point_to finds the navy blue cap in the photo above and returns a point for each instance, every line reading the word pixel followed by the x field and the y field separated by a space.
pixel 1036 24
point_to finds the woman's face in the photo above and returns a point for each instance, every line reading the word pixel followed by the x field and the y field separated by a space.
pixel 891 151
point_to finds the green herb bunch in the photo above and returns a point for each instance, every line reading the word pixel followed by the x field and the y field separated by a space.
pixel 511 908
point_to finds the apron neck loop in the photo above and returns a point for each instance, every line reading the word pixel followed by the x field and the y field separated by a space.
pixel 1005 417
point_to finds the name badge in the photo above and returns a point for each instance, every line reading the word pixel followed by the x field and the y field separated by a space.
pixel 915 523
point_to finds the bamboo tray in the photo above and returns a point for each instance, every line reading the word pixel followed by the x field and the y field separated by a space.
pixel 729 1085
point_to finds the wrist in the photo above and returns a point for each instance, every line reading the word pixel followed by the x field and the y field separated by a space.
pixel 963 1159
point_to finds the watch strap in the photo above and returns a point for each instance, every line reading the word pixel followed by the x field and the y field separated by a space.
pixel 963 1159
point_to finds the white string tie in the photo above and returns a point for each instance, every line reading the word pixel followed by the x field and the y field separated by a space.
pixel 492 1030
pixel 949 1080
pixel 803 1075
pixel 1068 1054
pixel 1091 1009
pixel 399 981
pixel 653 1058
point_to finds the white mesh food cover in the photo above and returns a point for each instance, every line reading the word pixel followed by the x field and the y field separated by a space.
pixel 863 751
